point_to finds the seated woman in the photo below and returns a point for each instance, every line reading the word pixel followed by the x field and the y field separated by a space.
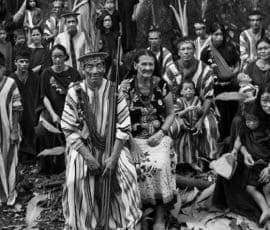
pixel 233 193
pixel 151 111
pixel 202 76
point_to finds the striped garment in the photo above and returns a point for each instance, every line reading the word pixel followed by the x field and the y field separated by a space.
pixel 10 100
pixel 80 207
pixel 248 50
pixel 169 71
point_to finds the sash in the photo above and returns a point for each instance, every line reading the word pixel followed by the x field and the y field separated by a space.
pixel 223 70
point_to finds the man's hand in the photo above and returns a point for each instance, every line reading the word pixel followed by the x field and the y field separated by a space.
pixel 110 165
pixel 264 175
pixel 92 164
pixel 198 127
pixel 56 119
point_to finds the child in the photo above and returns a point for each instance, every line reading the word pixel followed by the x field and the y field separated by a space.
pixel 246 87
pixel 109 7
pixel 33 17
pixel 188 111
pixel 255 149
pixel 6 49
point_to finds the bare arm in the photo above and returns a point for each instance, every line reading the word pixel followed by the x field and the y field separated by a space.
pixel 48 106
pixel 169 112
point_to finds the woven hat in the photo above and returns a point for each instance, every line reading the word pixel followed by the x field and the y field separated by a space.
pixel 92 56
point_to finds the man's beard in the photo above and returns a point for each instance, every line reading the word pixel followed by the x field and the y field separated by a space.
pixel 72 32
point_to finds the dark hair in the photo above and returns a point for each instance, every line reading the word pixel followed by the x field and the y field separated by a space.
pixel 187 81
pixel 38 28
pixel 217 26
pixel 139 53
pixel 2 27
pixel 18 32
pixel 263 39
pixel 62 48
pixel 100 21
pixel 23 54
pixel 28 6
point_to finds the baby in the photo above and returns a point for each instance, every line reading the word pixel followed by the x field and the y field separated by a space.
pixel 246 87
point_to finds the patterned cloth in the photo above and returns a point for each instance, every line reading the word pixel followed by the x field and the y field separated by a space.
pixel 248 46
pixel 79 200
pixel 146 119
pixel 10 102
pixel 156 174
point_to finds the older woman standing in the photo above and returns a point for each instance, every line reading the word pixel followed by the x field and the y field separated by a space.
pixel 151 110
pixel 54 85
pixel 259 70
pixel 203 78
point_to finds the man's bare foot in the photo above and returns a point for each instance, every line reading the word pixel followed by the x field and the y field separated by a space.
pixel 264 217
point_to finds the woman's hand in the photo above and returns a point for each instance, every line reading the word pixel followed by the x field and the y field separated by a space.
pixel 156 138
pixel 264 175
pixel 136 152
pixel 248 160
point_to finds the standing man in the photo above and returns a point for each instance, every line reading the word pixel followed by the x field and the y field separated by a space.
pixel 28 84
pixel 249 38
pixel 166 67
pixel 73 40
pixel 11 108
pixel 84 123
pixel 202 40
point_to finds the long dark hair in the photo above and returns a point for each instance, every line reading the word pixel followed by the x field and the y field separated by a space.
pixel 139 53
pixel 218 26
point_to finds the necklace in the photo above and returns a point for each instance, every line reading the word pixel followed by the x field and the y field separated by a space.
pixel 148 97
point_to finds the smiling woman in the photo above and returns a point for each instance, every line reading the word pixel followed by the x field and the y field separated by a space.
pixel 259 69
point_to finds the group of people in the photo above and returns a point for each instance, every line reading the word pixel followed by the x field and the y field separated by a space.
pixel 58 82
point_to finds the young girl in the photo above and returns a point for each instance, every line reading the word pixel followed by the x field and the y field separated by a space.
pixel 188 111
pixel 40 58
pixel 33 17
pixel 256 151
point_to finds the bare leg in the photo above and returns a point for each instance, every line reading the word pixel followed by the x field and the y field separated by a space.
pixel 266 193
pixel 260 200
pixel 159 218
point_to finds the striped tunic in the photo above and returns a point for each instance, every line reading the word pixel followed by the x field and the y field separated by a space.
pixel 248 46
pixel 169 71
pixel 10 101
pixel 79 203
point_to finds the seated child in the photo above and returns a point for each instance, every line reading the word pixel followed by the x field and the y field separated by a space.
pixel 256 151
pixel 188 111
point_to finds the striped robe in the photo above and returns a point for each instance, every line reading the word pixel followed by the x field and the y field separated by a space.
pixel 204 82
pixel 79 203
pixel 248 47
pixel 10 100
pixel 169 71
